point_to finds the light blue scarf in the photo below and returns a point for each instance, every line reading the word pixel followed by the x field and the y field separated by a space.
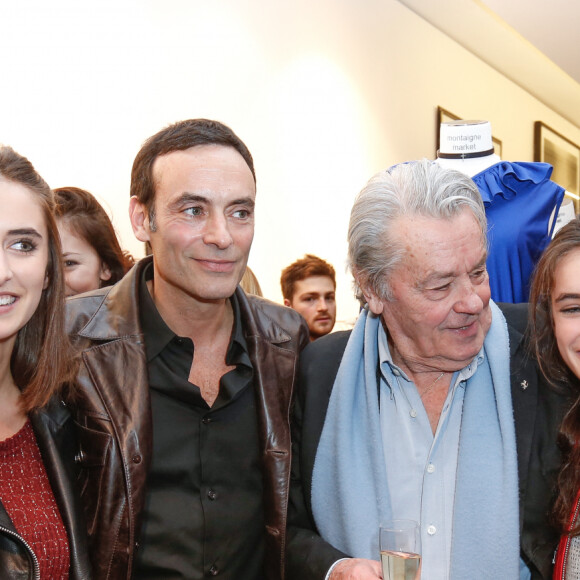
pixel 349 479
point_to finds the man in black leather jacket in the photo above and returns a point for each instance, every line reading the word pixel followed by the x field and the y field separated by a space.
pixel 186 382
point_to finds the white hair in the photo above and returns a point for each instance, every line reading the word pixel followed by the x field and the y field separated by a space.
pixel 422 188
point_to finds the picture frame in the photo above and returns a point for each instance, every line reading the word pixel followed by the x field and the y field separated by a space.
pixel 445 116
pixel 563 155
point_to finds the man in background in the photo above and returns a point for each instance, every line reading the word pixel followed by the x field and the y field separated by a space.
pixel 309 287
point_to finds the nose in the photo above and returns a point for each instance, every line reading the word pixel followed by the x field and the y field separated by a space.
pixel 5 270
pixel 322 305
pixel 217 232
pixel 469 300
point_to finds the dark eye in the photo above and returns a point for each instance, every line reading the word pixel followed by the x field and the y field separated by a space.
pixel 70 263
pixel 24 246
pixel 194 211
pixel 242 214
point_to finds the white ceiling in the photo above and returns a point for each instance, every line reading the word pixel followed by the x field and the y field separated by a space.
pixel 552 27
pixel 532 42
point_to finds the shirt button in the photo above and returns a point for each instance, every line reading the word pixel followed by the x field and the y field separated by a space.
pixel 211 494
pixel 413 413
pixel 206 420
pixel 431 530
pixel 430 468
pixel 396 373
pixel 136 459
pixel 213 571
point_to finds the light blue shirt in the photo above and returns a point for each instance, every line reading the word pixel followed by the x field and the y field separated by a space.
pixel 421 467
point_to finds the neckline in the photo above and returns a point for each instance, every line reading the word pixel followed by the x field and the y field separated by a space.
pixel 14 441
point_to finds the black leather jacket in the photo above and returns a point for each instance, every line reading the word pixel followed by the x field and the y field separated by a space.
pixel 55 434
pixel 114 416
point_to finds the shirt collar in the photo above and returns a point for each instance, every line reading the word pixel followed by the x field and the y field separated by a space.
pixel 157 334
pixel 238 349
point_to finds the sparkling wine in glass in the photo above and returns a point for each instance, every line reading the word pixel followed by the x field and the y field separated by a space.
pixel 400 545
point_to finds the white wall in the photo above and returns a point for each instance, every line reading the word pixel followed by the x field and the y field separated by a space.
pixel 323 93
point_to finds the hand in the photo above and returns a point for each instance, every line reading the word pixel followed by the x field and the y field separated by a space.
pixel 356 569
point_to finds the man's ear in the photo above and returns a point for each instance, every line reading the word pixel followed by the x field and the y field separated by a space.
pixel 375 303
pixel 287 302
pixel 139 217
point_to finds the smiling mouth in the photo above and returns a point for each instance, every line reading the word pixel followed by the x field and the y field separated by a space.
pixel 218 265
pixel 7 300
pixel 466 327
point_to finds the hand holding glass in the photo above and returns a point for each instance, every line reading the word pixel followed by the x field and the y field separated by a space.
pixel 400 545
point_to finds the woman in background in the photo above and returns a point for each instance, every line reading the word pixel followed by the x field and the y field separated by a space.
pixel 42 531
pixel 249 283
pixel 555 321
pixel 91 252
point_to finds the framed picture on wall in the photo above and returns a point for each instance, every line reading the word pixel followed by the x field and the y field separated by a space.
pixel 563 155
pixel 445 116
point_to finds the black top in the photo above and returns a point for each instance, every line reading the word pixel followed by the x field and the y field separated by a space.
pixel 204 513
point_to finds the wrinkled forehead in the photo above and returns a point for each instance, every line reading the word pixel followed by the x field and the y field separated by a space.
pixel 433 244
pixel 200 158
pixel 415 229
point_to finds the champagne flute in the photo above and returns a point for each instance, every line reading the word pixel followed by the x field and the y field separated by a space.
pixel 400 545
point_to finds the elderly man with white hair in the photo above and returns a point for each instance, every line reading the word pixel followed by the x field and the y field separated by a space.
pixel 430 408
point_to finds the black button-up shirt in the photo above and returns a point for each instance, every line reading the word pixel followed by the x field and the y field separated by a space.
pixel 204 510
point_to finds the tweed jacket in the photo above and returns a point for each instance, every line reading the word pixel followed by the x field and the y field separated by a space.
pixel 114 416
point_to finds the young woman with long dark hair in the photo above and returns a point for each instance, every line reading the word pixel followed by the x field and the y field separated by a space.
pixel 42 531
pixel 555 321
